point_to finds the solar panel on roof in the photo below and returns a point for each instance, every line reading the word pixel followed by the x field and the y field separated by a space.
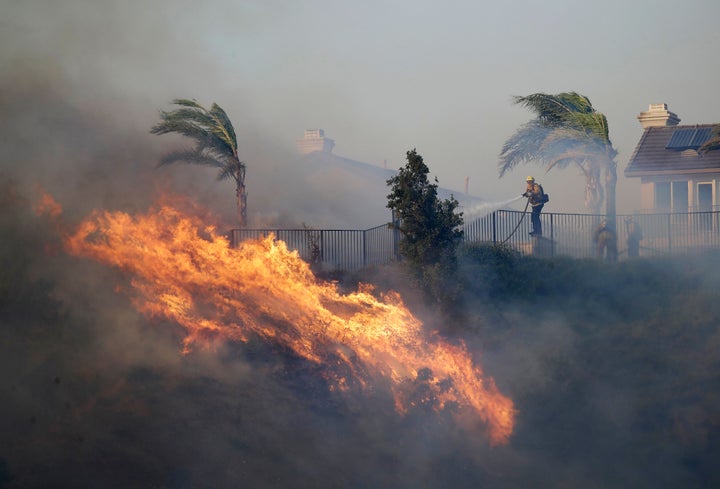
pixel 701 135
pixel 683 139
pixel 680 139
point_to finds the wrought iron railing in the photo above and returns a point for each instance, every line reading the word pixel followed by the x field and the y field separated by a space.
pixel 563 235
pixel 347 249
pixel 572 234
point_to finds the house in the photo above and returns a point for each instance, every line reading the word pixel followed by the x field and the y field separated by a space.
pixel 333 191
pixel 674 177
pixel 314 140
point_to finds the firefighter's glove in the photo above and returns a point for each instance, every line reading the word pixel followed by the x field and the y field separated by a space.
pixel 524 195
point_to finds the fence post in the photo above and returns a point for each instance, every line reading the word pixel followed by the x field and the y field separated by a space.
pixel 552 235
pixel 395 237
pixel 322 246
pixel 494 229
pixel 669 235
pixel 364 245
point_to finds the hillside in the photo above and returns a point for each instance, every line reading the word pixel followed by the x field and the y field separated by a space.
pixel 614 373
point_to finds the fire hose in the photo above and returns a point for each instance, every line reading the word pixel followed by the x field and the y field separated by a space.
pixel 518 224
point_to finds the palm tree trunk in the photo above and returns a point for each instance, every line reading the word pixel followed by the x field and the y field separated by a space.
pixel 241 195
pixel 593 194
pixel 610 185
pixel 610 209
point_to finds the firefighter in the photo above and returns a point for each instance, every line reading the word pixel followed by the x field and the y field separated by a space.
pixel 606 241
pixel 537 199
pixel 634 235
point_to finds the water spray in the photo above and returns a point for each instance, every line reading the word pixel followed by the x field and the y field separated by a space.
pixel 487 207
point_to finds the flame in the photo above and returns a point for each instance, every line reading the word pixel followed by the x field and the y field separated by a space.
pixel 47 205
pixel 185 271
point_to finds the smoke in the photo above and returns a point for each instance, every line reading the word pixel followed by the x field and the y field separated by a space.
pixel 486 208
pixel 96 395
pixel 99 396
pixel 82 83
pixel 608 396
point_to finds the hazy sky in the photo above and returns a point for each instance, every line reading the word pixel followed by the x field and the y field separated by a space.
pixel 382 77
pixel 81 83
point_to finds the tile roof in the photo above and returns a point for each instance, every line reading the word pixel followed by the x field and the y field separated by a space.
pixel 672 150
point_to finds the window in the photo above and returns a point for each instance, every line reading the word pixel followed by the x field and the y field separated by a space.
pixel 679 196
pixel 704 222
pixel 671 196
pixel 704 197
pixel 662 196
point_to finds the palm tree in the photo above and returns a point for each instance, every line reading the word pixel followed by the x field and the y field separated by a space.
pixel 215 144
pixel 713 142
pixel 567 131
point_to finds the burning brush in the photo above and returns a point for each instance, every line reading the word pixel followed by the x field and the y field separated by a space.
pixel 183 270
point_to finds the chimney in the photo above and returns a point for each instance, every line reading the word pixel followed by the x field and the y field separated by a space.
pixel 314 140
pixel 658 115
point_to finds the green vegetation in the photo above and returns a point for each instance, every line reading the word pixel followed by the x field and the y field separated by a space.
pixel 567 131
pixel 713 142
pixel 428 227
pixel 216 144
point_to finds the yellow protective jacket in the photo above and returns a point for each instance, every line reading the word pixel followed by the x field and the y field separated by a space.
pixel 534 193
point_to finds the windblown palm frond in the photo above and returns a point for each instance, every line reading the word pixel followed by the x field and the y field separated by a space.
pixel 224 128
pixel 534 142
pixel 215 142
pixel 567 131
pixel 523 147
pixel 189 156
pixel 567 110
pixel 561 140
pixel 556 110
pixel 713 142
pixel 212 129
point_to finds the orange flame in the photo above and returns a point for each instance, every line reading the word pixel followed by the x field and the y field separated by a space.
pixel 186 272
pixel 47 205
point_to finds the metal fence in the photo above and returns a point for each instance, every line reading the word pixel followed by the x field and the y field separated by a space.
pixel 572 234
pixel 335 249
pixel 563 235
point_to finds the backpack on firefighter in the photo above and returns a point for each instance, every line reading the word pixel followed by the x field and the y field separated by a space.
pixel 544 198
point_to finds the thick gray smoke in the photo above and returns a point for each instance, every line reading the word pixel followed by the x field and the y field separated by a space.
pixel 96 395
pixel 82 83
